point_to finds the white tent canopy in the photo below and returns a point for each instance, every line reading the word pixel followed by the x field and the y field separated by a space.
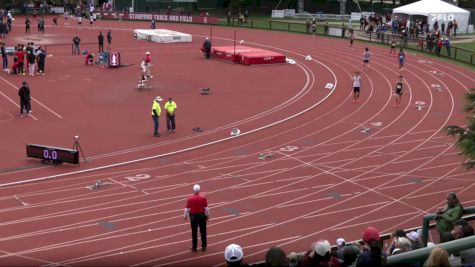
pixel 437 10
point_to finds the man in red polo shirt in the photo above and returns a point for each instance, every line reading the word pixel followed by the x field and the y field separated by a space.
pixel 197 210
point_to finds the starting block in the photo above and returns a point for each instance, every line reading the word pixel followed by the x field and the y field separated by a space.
pixel 205 91
pixel 437 87
pixel 197 130
pixel 235 131
pixel 365 130
pixel 329 86
pixel 263 156
pixel 97 185
pixel 420 105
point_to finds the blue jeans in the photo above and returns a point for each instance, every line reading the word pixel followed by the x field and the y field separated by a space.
pixel 5 62
pixel 155 124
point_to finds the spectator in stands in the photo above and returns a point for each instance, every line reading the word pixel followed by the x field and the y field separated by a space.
pixel 313 27
pixel 350 254
pixel 447 216
pixel 294 259
pixel 233 255
pixel 447 46
pixel 463 229
pixel 340 243
pixel 372 255
pixel 319 255
pixel 402 245
pixel 275 256
pixel 416 243
pixel 439 257
pixel 438 47
pixel 392 243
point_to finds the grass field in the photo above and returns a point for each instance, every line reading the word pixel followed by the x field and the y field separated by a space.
pixel 470 46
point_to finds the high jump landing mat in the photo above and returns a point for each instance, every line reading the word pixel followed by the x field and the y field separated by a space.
pixel 247 55
pixel 162 36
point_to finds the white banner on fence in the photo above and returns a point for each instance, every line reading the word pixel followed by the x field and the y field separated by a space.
pixel 277 13
pixel 289 13
pixel 335 32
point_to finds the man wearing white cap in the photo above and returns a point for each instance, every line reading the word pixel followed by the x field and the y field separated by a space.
pixel 156 110
pixel 233 255
pixel 148 64
pixel 198 211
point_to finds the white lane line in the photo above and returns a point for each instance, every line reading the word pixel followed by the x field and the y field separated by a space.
pixel 14 103
pixel 345 210
pixel 310 201
pixel 373 221
pixel 37 101
pixel 435 193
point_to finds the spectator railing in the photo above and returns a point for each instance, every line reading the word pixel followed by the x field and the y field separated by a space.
pixel 420 255
pixel 414 43
pixel 426 222
pixel 415 256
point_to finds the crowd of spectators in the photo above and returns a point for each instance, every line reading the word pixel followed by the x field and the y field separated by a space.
pixel 372 251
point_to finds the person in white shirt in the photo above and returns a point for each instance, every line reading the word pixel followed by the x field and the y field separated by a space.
pixel 356 87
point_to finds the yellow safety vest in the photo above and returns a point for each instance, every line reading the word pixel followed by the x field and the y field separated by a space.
pixel 170 107
pixel 156 107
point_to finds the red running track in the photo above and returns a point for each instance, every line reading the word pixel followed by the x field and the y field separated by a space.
pixel 327 179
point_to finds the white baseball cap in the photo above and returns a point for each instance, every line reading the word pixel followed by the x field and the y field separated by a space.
pixel 158 99
pixel 340 242
pixel 196 188
pixel 322 247
pixel 233 253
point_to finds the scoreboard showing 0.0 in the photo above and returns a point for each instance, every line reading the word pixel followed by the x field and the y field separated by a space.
pixel 50 154
pixel 55 154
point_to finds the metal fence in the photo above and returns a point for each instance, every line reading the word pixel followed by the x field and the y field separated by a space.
pixel 420 43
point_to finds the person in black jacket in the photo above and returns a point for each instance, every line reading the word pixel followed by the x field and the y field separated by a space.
pixel 27 25
pixel 100 38
pixel 41 60
pixel 109 39
pixel 24 93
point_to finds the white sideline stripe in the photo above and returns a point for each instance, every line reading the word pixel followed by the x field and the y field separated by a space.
pixel 185 149
pixel 14 103
pixel 270 182
pixel 344 210
pixel 95 256
pixel 41 104
pixel 373 221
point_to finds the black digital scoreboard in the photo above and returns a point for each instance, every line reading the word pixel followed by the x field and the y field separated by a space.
pixel 55 154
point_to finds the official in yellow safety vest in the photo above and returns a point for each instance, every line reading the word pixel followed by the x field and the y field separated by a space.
pixel 156 110
pixel 170 107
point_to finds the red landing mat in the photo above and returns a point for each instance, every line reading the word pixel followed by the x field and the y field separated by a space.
pixel 247 55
